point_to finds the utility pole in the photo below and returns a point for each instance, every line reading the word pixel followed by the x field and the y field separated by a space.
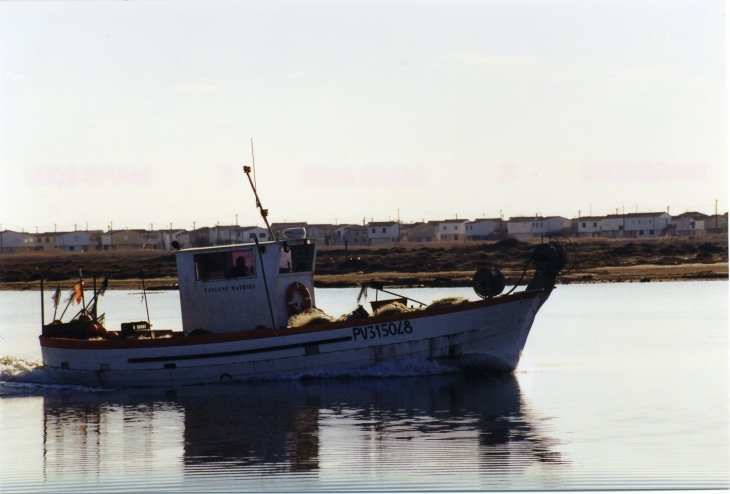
pixel 715 215
pixel 236 219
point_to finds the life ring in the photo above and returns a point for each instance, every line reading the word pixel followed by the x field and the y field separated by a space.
pixel 291 298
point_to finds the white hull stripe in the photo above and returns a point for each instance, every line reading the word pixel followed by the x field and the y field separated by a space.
pixel 239 352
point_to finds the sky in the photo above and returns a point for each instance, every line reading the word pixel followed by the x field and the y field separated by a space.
pixel 142 114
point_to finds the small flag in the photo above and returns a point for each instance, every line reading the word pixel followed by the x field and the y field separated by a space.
pixel 78 294
pixel 104 285
pixel 57 297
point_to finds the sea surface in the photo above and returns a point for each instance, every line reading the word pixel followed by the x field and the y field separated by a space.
pixel 620 386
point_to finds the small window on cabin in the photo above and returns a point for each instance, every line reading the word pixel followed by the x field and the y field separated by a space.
pixel 595 224
pixel 302 258
pixel 262 235
pixel 584 225
pixel 373 230
pixel 383 230
pixel 223 265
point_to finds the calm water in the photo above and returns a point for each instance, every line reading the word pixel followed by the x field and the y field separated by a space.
pixel 621 386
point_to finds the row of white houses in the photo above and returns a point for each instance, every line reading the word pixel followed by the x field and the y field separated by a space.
pixel 634 225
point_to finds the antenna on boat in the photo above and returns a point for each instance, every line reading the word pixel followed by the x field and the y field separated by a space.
pixel 264 212
pixel 253 164
pixel 147 308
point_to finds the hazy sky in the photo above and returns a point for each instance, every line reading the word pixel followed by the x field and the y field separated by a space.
pixel 141 113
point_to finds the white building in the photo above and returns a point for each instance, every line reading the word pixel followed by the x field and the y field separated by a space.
pixel 589 226
pixel 551 224
pixel 79 241
pixel 383 232
pixel 639 225
pixel 11 241
pixel 526 227
pixel 484 229
pixel 689 224
pixel 339 234
pixel 356 235
pixel 520 226
pixel 249 234
pixel 452 230
pixel 170 236
pixel 612 226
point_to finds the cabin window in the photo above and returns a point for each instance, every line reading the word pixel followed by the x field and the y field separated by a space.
pixel 222 265
pixel 302 258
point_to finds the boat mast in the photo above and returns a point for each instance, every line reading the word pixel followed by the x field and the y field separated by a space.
pixel 264 212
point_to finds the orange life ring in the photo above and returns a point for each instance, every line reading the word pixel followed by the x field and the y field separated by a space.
pixel 306 298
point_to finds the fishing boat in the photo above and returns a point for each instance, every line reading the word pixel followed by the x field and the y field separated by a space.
pixel 249 311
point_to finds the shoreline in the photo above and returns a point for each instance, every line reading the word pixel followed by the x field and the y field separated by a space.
pixel 606 274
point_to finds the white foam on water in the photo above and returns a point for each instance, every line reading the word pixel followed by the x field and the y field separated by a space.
pixel 16 369
pixel 19 376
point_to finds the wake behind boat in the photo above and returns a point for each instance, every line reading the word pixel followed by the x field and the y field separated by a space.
pixel 249 312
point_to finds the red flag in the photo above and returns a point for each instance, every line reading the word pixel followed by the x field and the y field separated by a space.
pixel 79 292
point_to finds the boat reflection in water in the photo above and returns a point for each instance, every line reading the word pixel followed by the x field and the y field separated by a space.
pixel 330 428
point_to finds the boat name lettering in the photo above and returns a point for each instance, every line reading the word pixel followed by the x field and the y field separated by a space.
pixel 233 288
pixel 382 330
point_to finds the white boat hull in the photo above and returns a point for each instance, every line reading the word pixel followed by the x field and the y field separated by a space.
pixel 488 334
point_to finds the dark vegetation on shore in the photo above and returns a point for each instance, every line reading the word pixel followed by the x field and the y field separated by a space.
pixel 509 254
